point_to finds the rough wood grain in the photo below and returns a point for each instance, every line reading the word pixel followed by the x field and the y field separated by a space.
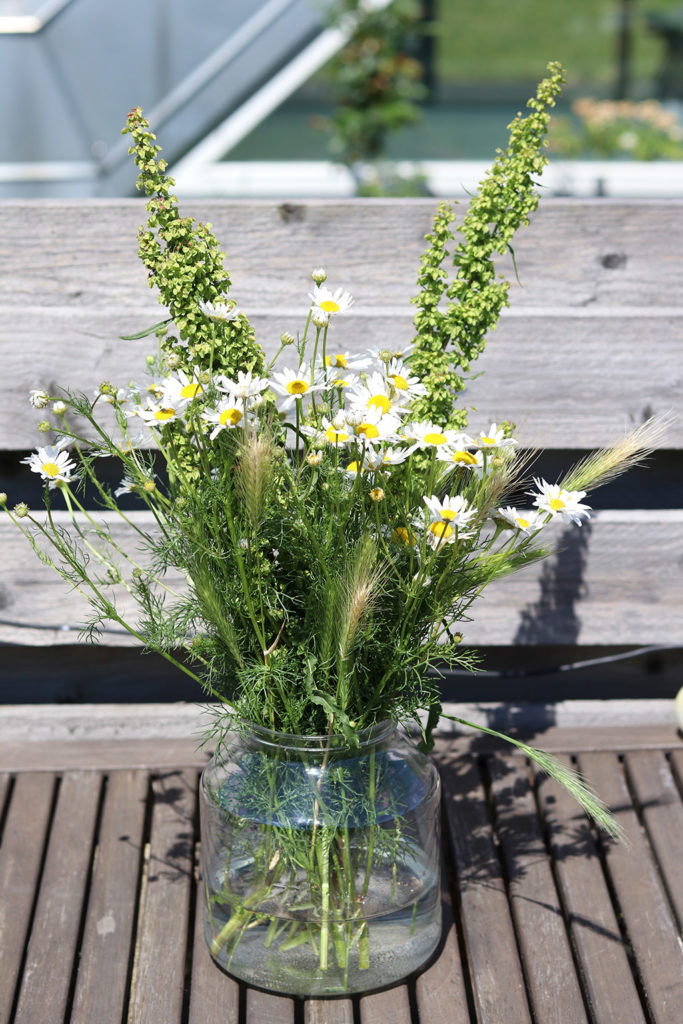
pixel 564 392
pixel 105 754
pixel 214 997
pixel 619 579
pixel 605 972
pixel 52 946
pixel 102 978
pixel 496 972
pixel 574 253
pixel 661 810
pixel 159 973
pixel 392 1005
pixel 328 1011
pixel 554 990
pixel 645 908
pixel 265 1008
pixel 21 856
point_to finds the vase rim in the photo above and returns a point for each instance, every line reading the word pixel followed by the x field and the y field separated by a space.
pixel 292 741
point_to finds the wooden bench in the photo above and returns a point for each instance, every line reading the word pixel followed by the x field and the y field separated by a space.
pixel 548 922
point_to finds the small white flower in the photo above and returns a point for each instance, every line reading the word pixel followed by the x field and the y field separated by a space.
pixel 294 384
pixel 554 499
pixel 331 302
pixel 229 413
pixel 495 438
pixel 372 426
pixel 38 398
pixel 376 393
pixel 346 361
pixel 181 389
pixel 314 458
pixel 53 464
pixel 246 385
pixel 455 510
pixel 127 486
pixel 59 408
pixel 430 435
pixel 525 522
pixel 408 387
pixel 221 310
pixel 156 415
pixel 459 456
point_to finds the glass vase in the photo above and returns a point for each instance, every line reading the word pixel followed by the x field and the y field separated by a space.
pixel 320 859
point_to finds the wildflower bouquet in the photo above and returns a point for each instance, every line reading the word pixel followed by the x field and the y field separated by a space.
pixel 333 518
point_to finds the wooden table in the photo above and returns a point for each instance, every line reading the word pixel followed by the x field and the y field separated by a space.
pixel 544 921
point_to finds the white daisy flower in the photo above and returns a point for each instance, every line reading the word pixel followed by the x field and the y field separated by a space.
pixel 229 413
pixel 430 435
pixel 399 375
pixel 558 502
pixel 375 393
pixel 346 361
pixel 461 457
pixel 525 522
pixel 221 310
pixel 127 486
pixel 456 510
pixel 53 463
pixel 352 469
pixel 314 458
pixel 156 415
pixel 373 426
pixel 180 389
pixel 385 355
pixel 330 302
pixel 246 385
pixel 38 398
pixel 495 438
pixel 294 384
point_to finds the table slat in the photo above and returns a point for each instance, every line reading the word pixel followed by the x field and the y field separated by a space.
pixel 265 1008
pixel 606 975
pixel 214 997
pixel 102 974
pixel 159 973
pixel 391 1005
pixel 21 855
pixel 54 934
pixel 662 812
pixel 497 978
pixel 328 1011
pixel 643 902
pixel 544 945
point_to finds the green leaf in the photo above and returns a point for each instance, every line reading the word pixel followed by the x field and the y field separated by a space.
pixel 147 331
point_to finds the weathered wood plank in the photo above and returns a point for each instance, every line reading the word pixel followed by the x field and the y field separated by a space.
pixel 496 973
pixel 618 579
pixel 662 813
pixel 102 978
pixel 102 754
pixel 605 972
pixel 645 908
pixel 574 253
pixel 544 946
pixel 159 972
pixel 328 1011
pixel 266 1008
pixel 597 399
pixel 21 856
pixel 391 1005
pixel 214 997
pixel 52 947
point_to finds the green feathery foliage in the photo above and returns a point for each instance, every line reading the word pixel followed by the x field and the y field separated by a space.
pixel 448 340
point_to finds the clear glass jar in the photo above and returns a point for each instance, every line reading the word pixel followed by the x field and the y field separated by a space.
pixel 320 859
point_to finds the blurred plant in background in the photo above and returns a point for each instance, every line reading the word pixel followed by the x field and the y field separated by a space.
pixel 377 84
pixel 603 128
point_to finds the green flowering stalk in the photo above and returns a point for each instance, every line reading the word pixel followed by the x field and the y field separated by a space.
pixel 448 339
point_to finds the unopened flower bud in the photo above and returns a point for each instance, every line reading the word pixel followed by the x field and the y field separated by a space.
pixel 59 408
pixel 38 398
pixel 314 458
pixel 377 494
pixel 150 359
pixel 137 574
pixel 385 356
pixel 196 643
pixel 286 338
pixel 21 510
pixel 320 319
pixel 319 275
pixel 3 499
pixel 106 388
pixel 149 486
pixel 173 360
pixel 204 377
pixel 45 426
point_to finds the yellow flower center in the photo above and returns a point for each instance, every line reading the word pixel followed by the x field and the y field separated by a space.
pixel 297 387
pixel 329 306
pixel 336 360
pixel 441 530
pixel 377 494
pixel 400 383
pixel 335 436
pixel 447 513
pixel 164 414
pixel 403 536
pixel 380 402
pixel 191 390
pixel 435 438
pixel 354 467
pixel 232 416
pixel 522 522
pixel 556 504
pixel 465 457
pixel 487 440
pixel 369 429
pixel 338 382
pixel 50 469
